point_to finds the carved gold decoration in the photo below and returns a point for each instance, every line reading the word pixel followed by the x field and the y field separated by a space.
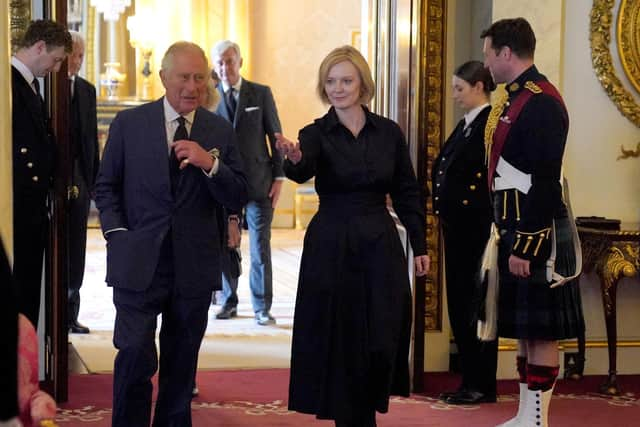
pixel 90 54
pixel 629 153
pixel 600 29
pixel 20 18
pixel 615 266
pixel 431 92
pixel 629 39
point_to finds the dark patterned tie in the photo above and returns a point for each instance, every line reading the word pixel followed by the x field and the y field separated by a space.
pixel 231 103
pixel 174 165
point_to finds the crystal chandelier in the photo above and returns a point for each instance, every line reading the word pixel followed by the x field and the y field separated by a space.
pixel 110 9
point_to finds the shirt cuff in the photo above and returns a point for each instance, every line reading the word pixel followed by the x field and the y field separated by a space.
pixel 106 233
pixel 279 178
pixel 214 168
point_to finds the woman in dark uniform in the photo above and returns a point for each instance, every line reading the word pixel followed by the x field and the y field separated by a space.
pixel 353 309
pixel 461 201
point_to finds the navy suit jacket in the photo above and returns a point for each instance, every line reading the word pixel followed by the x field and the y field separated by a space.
pixel 256 118
pixel 133 191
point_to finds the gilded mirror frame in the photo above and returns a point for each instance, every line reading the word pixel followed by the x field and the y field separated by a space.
pixel 600 38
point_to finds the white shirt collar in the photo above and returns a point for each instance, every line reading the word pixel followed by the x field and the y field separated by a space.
pixel 170 114
pixel 237 86
pixel 471 115
pixel 23 69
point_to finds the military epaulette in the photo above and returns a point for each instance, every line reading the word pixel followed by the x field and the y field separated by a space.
pixel 533 87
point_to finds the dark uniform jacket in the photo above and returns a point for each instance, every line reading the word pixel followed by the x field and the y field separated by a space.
pixel 459 192
pixel 534 145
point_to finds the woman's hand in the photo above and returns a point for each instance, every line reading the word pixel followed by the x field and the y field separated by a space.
pixel 422 263
pixel 288 149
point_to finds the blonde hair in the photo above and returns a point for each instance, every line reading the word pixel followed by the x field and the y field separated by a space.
pixel 351 54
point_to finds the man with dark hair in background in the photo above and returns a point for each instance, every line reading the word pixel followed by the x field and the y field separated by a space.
pixel 41 51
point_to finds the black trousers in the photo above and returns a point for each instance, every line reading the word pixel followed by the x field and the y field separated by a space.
pixel 78 215
pixel 463 252
pixel 184 321
pixel 30 228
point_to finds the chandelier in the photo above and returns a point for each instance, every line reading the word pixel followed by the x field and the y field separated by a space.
pixel 110 9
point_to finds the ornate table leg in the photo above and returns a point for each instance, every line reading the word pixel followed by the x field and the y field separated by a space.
pixel 613 267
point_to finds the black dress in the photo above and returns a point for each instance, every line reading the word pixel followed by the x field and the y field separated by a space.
pixel 461 201
pixel 352 319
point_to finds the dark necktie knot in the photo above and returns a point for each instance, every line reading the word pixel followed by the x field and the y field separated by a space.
pixel 36 85
pixel 181 131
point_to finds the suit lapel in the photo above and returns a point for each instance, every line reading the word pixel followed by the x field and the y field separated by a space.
pixel 245 99
pixel 156 135
pixel 222 109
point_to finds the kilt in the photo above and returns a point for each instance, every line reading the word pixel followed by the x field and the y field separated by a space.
pixel 527 307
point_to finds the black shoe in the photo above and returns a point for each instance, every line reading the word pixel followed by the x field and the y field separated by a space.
pixel 446 394
pixel 78 328
pixel 470 397
pixel 227 313
pixel 264 318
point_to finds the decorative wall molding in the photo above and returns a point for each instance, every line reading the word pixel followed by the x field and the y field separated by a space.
pixel 600 37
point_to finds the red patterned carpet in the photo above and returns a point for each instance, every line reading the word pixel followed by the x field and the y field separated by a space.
pixel 258 398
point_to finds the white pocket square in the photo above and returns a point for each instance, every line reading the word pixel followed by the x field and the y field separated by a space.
pixel 248 109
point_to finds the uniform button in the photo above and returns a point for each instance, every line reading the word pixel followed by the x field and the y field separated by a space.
pixel 479 175
pixel 440 172
pixel 437 212
pixel 444 158
pixel 29 165
pixel 465 202
pixel 472 187
pixel 438 185
pixel 34 178
pixel 437 198
pixel 23 150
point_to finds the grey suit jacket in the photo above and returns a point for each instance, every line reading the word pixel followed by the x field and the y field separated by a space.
pixel 133 191
pixel 256 118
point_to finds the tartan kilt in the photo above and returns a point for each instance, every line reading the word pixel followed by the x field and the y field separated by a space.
pixel 527 307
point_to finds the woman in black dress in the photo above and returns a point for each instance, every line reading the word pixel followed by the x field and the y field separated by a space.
pixel 353 308
pixel 461 201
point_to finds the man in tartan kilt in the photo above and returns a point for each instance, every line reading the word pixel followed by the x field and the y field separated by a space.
pixel 525 136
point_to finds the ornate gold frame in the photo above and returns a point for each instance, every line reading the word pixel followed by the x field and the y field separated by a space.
pixel 600 37
pixel 628 37
pixel 431 60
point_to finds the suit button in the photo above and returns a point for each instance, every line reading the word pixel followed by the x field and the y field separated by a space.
pixel 472 187
pixel 29 165
pixel 34 178
pixel 465 202
pixel 23 150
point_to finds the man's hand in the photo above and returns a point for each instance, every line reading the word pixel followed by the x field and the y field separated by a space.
pixel 422 262
pixel 289 149
pixel 191 153
pixel 234 233
pixel 274 192
pixel 519 267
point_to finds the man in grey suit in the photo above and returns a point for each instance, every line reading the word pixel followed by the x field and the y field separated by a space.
pixel 252 110
pixel 168 168
pixel 84 154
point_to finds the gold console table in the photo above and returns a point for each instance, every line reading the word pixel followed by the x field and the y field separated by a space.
pixel 613 254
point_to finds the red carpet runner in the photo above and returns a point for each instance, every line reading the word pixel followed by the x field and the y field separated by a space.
pixel 258 398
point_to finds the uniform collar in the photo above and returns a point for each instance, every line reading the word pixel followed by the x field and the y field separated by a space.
pixel 471 115
pixel 530 74
pixel 23 69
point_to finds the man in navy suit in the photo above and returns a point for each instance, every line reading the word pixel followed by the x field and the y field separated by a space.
pixel 84 155
pixel 252 110
pixel 167 168
pixel 41 51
